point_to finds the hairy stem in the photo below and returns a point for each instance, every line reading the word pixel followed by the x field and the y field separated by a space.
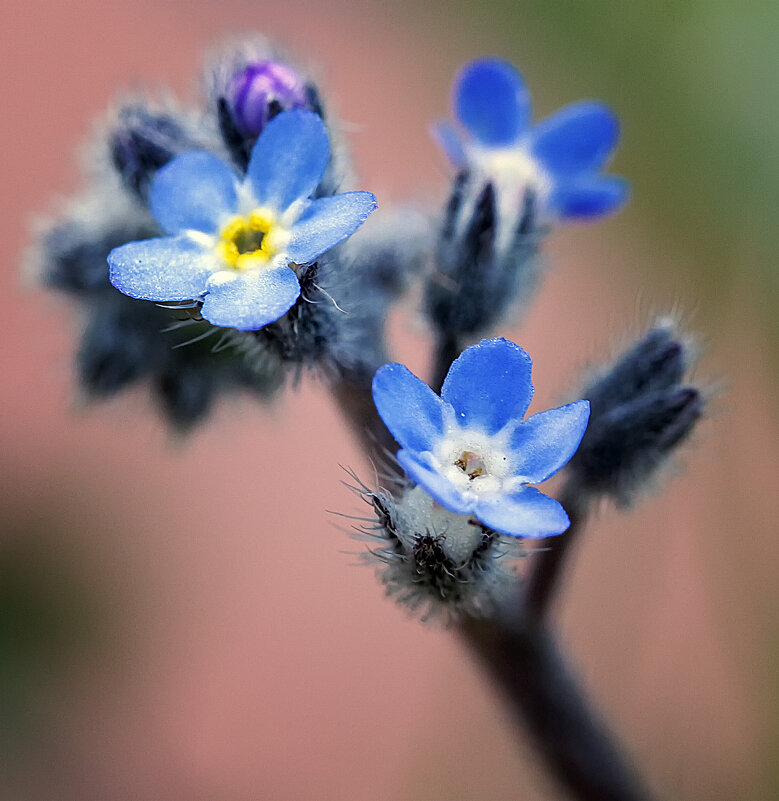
pixel 516 647
pixel 523 658
pixel 549 566
pixel 352 392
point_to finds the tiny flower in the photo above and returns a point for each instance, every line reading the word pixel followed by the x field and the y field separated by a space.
pixel 555 162
pixel 471 450
pixel 262 89
pixel 231 242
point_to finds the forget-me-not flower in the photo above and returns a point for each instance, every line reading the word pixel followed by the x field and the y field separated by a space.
pixel 557 160
pixel 471 450
pixel 230 242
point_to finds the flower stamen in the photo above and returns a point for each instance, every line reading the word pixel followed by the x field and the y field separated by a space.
pixel 471 464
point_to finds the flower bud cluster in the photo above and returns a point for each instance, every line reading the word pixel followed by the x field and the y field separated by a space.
pixel 124 342
pixel 333 317
pixel 249 82
pixel 641 411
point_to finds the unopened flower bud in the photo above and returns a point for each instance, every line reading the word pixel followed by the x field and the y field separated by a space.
pixel 117 348
pixel 73 253
pixel 260 91
pixel 186 393
pixel 144 141
pixel 639 414
pixel 654 363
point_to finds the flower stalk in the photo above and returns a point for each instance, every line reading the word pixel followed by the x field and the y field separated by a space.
pixel 200 275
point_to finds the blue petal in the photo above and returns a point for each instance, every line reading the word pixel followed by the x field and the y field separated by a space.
pixel 546 441
pixel 589 197
pixel 248 301
pixel 288 159
pixel 412 412
pixel 525 513
pixel 439 488
pixel 577 138
pixel 449 139
pixel 489 385
pixel 195 190
pixel 326 222
pixel 492 102
pixel 167 268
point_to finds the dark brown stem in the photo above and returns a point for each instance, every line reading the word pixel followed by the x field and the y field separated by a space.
pixel 549 566
pixel 523 658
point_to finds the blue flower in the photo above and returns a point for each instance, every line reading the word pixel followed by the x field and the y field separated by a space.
pixel 558 160
pixel 471 450
pixel 231 242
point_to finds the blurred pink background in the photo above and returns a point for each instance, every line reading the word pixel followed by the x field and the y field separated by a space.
pixel 227 647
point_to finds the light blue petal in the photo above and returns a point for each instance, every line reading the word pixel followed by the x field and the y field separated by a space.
pixel 288 159
pixel 252 299
pixel 193 191
pixel 492 102
pixel 577 138
pixel 545 442
pixel 439 488
pixel 489 385
pixel 326 222
pixel 589 197
pixel 412 412
pixel 167 268
pixel 525 513
pixel 450 141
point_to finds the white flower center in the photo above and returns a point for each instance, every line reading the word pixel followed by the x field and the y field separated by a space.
pixel 513 173
pixel 509 166
pixel 475 462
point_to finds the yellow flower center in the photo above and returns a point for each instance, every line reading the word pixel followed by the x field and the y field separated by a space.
pixel 249 243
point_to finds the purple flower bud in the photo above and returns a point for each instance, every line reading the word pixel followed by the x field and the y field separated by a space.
pixel 262 89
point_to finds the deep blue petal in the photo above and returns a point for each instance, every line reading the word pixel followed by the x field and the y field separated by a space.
pixel 449 139
pixel 248 301
pixel 412 412
pixel 288 159
pixel 577 138
pixel 545 442
pixel 167 268
pixel 489 385
pixel 195 190
pixel 326 222
pixel 492 102
pixel 525 513
pixel 589 197
pixel 439 488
